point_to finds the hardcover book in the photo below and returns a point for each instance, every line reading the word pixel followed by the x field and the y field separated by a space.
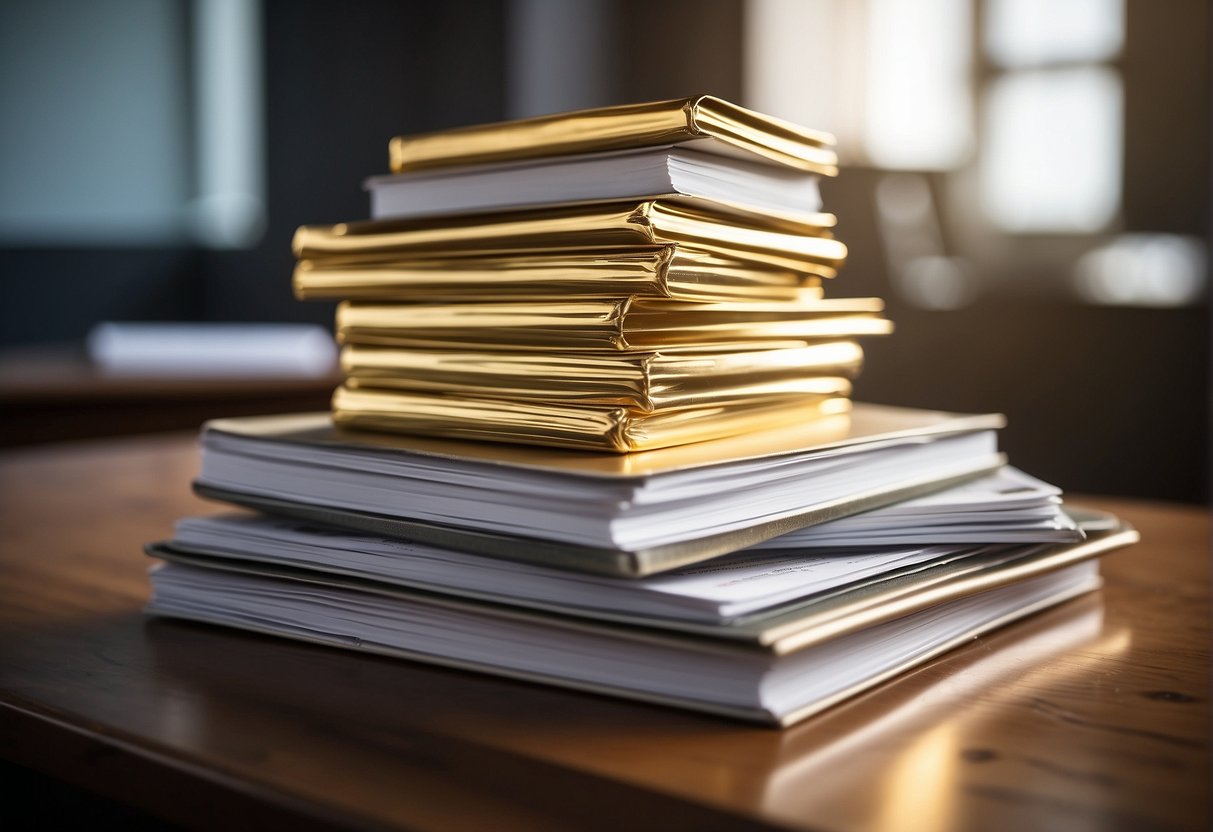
pixel 620 325
pixel 800 243
pixel 637 174
pixel 625 514
pixel 644 382
pixel 777 669
pixel 671 271
pixel 704 122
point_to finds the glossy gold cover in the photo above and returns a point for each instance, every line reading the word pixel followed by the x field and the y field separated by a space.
pixel 873 602
pixel 739 130
pixel 671 271
pixel 627 324
pixel 865 424
pixel 643 382
pixel 799 243
pixel 584 427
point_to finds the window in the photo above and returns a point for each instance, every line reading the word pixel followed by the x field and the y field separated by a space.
pixel 131 123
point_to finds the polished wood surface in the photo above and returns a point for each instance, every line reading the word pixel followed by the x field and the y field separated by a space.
pixel 1094 715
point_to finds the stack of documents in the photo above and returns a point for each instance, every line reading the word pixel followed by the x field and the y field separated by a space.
pixel 624 279
pixel 677 501
pixel 709 576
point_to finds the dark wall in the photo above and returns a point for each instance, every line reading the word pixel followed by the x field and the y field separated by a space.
pixel 341 79
pixel 1167 119
pixel 51 295
pixel 1099 399
pixel 684 48
pixel 1103 399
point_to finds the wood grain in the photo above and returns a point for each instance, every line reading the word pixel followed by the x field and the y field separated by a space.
pixel 1094 715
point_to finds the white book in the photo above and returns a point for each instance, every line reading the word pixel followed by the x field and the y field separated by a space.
pixel 647 172
pixel 634 514
pixel 719 590
pixel 743 584
pixel 818 631
pixel 1008 506
pixel 690 672
pixel 222 350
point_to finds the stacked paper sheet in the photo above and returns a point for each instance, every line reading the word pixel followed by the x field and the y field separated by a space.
pixel 625 574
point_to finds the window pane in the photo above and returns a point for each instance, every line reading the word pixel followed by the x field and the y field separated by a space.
pixel 1051 155
pixel 890 78
pixel 1022 33
pixel 95 140
pixel 112 137
pixel 919 110
pixel 804 62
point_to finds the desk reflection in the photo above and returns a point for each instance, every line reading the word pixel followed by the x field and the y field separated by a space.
pixel 926 728
pixel 914 748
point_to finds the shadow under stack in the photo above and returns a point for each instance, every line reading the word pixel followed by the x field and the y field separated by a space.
pixel 649 279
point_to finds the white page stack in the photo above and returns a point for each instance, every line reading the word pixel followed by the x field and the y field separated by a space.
pixel 762 577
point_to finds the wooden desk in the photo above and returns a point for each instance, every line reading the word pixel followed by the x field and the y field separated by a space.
pixel 1092 716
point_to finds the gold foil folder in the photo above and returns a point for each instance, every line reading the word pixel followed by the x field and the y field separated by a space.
pixel 799 243
pixel 865 423
pixel 872 602
pixel 584 427
pixel 643 382
pixel 737 130
pixel 620 325
pixel 670 271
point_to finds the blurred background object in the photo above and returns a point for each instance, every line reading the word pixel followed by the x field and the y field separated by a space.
pixel 1026 182
pixel 208 350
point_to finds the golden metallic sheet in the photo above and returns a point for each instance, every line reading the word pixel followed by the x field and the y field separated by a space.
pixel 741 131
pixel 800 243
pixel 584 427
pixel 635 324
pixel 643 382
pixel 870 603
pixel 670 271
pixel 849 428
